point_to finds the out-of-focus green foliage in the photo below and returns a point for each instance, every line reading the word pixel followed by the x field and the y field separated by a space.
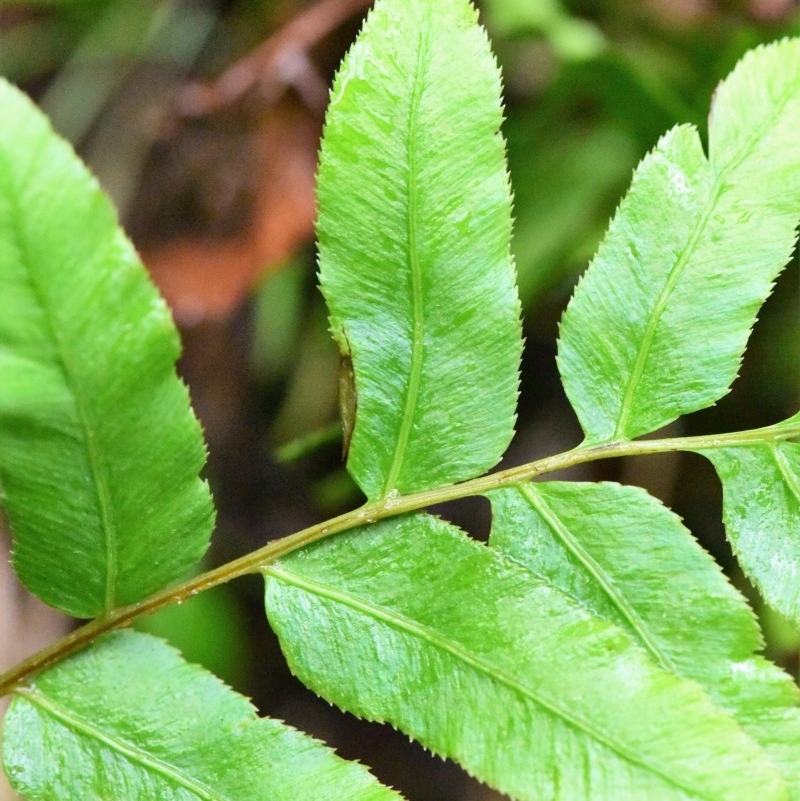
pixel 577 128
pixel 208 630
pixel 571 37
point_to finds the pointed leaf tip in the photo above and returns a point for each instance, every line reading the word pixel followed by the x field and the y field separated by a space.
pixel 658 324
pixel 414 228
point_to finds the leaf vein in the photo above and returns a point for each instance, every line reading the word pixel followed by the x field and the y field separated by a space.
pixel 414 267
pixel 785 470
pixel 73 384
pixel 598 574
pixel 676 271
pixel 411 627
pixel 148 761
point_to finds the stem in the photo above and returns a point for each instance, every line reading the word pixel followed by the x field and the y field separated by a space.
pixel 370 513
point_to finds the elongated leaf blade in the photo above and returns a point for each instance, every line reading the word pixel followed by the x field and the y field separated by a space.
pixel 658 325
pixel 414 227
pixel 761 509
pixel 99 451
pixel 413 623
pixel 629 560
pixel 130 719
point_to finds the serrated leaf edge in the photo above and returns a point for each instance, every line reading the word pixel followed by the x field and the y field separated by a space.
pixel 604 581
pixel 408 626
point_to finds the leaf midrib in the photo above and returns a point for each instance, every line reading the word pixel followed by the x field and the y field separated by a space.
pixel 135 754
pixel 99 477
pixel 414 266
pixel 677 268
pixel 785 470
pixel 411 627
pixel 598 575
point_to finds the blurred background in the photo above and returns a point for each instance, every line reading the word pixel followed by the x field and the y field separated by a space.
pixel 201 119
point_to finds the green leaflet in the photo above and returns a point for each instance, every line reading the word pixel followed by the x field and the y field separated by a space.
pixel 99 451
pixel 564 187
pixel 414 227
pixel 411 622
pixel 129 719
pixel 761 508
pixel 658 324
pixel 629 560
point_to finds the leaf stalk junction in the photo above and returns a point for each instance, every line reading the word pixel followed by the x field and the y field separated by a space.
pixel 388 506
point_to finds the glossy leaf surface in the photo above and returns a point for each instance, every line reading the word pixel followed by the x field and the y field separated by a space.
pixel 99 451
pixel 628 559
pixel 413 623
pixel 130 719
pixel 658 324
pixel 761 509
pixel 414 228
